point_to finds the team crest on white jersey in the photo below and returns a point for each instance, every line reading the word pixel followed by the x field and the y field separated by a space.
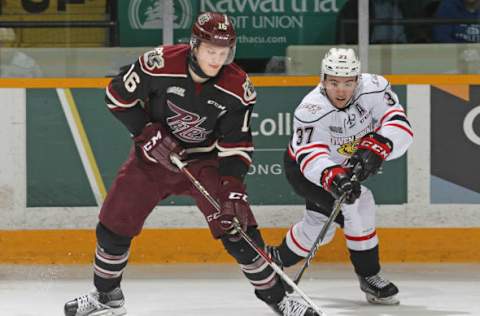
pixel 349 148
pixel 186 125
pixel 348 144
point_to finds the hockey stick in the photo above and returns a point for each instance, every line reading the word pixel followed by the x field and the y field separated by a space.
pixel 316 245
pixel 183 168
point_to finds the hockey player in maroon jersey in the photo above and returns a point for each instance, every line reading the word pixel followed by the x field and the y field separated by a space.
pixel 194 102
pixel 350 118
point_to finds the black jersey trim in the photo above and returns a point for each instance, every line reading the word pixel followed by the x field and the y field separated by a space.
pixel 399 118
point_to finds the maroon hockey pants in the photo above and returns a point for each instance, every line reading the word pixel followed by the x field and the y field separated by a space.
pixel 139 187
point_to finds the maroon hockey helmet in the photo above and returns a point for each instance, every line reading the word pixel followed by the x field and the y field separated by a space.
pixel 216 29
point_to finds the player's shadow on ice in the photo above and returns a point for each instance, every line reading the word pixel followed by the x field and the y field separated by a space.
pixel 361 308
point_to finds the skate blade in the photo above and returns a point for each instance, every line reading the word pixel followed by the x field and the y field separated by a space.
pixel 111 312
pixel 391 300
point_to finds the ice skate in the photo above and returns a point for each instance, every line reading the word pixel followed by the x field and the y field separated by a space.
pixel 97 304
pixel 379 290
pixel 291 306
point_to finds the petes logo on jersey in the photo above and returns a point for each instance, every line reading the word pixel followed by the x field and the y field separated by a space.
pixel 186 125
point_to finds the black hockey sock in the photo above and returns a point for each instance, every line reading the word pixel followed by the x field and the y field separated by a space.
pixel 111 258
pixel 288 257
pixel 272 295
pixel 108 276
pixel 366 262
pixel 253 266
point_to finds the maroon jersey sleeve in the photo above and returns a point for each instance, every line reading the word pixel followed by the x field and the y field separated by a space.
pixel 129 91
pixel 235 144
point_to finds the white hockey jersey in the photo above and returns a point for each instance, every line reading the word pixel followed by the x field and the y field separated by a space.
pixel 325 136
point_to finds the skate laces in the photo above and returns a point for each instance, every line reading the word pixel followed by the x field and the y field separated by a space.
pixel 88 302
pixel 377 281
pixel 291 307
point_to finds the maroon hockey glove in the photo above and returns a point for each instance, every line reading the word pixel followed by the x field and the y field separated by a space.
pixel 233 204
pixel 337 181
pixel 155 145
pixel 372 150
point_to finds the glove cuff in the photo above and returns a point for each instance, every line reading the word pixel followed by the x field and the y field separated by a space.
pixel 148 131
pixel 377 144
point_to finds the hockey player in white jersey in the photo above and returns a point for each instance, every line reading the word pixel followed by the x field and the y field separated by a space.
pixel 349 119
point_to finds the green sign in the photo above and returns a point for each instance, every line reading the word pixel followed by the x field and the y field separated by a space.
pixel 264 27
pixel 56 177
pixel 140 21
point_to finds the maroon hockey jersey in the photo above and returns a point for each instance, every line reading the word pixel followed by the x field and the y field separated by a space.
pixel 204 118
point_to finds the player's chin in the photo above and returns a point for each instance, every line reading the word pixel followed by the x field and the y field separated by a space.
pixel 340 103
pixel 212 72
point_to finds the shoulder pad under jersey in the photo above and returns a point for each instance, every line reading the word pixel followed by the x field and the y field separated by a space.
pixel 313 107
pixel 372 83
pixel 165 61
pixel 235 82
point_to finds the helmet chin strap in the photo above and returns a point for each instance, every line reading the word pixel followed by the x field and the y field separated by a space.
pixel 195 67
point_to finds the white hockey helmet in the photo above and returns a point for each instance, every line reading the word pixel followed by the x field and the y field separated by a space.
pixel 342 62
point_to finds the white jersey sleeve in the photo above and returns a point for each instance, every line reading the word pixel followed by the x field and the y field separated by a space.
pixel 310 143
pixel 391 120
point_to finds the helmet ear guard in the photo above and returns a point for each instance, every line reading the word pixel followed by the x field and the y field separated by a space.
pixel 216 29
pixel 341 62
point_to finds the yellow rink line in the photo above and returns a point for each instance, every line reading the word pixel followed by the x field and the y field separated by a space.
pixel 83 144
pixel 451 245
pixel 259 81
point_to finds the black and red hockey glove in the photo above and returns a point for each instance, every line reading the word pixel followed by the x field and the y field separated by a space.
pixel 371 152
pixel 233 205
pixel 154 145
pixel 337 180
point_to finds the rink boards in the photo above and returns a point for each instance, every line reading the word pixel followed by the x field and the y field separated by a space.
pixel 64 148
